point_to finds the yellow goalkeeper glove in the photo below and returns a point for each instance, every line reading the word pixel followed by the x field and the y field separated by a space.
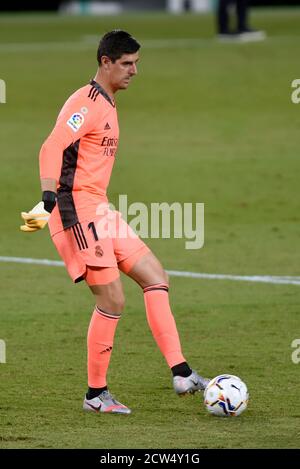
pixel 36 219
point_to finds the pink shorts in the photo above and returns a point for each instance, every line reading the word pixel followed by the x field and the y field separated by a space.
pixel 105 241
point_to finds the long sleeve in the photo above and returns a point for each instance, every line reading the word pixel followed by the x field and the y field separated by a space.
pixel 77 118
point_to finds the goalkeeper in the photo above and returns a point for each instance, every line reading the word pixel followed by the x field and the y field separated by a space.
pixel 76 162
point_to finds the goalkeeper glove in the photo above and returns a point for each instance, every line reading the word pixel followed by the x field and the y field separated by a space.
pixel 38 217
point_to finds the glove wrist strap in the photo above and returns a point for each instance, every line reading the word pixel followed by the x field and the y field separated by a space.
pixel 49 199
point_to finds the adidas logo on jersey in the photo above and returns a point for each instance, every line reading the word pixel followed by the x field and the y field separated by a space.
pixel 107 127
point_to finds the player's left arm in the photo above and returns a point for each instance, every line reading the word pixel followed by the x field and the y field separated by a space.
pixel 37 218
pixel 70 126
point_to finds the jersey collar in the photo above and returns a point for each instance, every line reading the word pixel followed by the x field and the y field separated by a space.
pixel 102 91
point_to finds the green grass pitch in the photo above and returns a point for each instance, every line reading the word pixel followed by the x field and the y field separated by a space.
pixel 202 122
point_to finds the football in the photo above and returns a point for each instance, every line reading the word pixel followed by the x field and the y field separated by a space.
pixel 226 396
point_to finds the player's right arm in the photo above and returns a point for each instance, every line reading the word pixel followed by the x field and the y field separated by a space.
pixel 77 117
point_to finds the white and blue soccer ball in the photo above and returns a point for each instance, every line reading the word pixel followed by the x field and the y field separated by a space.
pixel 226 396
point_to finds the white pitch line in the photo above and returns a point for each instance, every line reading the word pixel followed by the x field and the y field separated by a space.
pixel 242 278
pixel 28 260
pixel 278 280
pixel 45 46
pixel 90 42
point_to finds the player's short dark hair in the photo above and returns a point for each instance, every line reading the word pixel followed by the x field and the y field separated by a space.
pixel 116 43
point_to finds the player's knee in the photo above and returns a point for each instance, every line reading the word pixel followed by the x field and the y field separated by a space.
pixel 159 274
pixel 111 305
pixel 165 277
pixel 159 278
pixel 112 301
pixel 118 303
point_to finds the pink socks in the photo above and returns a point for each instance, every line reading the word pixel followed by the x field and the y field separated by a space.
pixel 100 343
pixel 162 323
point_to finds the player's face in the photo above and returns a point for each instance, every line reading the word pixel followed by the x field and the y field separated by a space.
pixel 122 70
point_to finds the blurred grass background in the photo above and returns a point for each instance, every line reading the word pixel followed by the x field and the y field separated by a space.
pixel 202 122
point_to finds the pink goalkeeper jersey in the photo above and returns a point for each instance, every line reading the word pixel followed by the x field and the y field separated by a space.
pixel 79 153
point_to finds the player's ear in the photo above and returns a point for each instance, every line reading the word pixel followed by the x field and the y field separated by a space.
pixel 105 62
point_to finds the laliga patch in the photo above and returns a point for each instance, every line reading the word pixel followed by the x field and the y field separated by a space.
pixel 75 121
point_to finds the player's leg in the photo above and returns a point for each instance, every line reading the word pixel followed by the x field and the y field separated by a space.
pixel 223 16
pixel 105 284
pixel 148 272
pixel 242 13
pixel 106 287
pixel 244 30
